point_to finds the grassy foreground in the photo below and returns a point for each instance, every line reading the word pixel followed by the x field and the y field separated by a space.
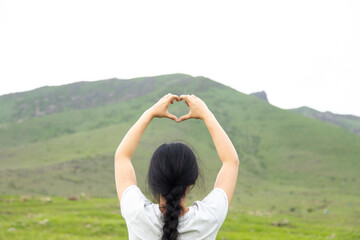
pixel 100 218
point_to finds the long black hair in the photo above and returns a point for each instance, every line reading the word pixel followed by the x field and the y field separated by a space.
pixel 173 167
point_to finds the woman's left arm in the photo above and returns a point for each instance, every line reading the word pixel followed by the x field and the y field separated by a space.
pixel 124 170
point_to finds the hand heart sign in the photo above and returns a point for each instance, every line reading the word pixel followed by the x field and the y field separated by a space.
pixel 198 108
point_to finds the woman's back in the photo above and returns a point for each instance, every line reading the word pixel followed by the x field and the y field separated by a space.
pixel 145 221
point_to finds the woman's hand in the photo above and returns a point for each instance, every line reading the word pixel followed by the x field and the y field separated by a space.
pixel 198 108
pixel 160 109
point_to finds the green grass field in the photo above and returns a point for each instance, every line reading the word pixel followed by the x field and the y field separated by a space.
pixel 100 218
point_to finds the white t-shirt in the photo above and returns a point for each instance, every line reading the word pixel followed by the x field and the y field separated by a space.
pixel 144 219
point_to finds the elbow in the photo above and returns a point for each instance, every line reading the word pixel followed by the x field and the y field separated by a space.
pixel 236 159
pixel 234 162
pixel 116 157
pixel 237 162
pixel 120 158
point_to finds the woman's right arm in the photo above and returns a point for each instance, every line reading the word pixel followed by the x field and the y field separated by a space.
pixel 227 176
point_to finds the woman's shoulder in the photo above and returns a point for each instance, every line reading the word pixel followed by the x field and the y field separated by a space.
pixel 214 204
pixel 217 195
pixel 132 200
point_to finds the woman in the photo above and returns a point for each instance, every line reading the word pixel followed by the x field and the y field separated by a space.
pixel 173 170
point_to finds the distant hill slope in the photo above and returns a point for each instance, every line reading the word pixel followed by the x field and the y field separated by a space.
pixel 349 122
pixel 61 140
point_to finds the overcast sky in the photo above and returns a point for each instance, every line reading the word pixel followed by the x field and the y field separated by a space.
pixel 299 52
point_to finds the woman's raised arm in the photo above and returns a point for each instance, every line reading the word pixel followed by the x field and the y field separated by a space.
pixel 124 170
pixel 227 176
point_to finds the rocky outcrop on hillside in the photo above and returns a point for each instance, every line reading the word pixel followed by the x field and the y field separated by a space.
pixel 262 95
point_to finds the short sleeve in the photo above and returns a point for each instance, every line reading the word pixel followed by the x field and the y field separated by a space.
pixel 132 200
pixel 217 203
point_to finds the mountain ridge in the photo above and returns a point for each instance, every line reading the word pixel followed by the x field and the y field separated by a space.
pixel 346 121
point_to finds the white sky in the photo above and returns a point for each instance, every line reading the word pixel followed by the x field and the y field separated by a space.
pixel 299 52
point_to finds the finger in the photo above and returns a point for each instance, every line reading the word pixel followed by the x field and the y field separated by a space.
pixel 175 98
pixel 171 116
pixel 164 97
pixel 172 98
pixel 185 117
pixel 184 97
pixel 169 95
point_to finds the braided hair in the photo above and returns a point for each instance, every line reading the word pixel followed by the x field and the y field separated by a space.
pixel 173 167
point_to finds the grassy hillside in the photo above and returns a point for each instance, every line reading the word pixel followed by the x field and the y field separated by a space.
pixel 61 141
pixel 274 145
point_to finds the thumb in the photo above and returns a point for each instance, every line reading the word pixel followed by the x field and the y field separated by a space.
pixel 185 117
pixel 171 116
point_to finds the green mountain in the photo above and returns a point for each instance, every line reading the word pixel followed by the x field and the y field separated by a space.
pixel 349 122
pixel 61 141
